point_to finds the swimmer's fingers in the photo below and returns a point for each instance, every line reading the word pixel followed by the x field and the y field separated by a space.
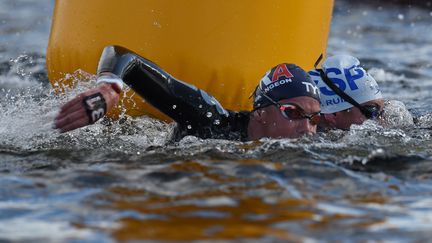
pixel 69 118
pixel 71 108
pixel 74 125
pixel 72 104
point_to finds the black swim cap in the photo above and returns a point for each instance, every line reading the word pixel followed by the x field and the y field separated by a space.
pixel 284 81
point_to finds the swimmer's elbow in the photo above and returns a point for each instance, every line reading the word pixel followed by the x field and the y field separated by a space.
pixel 116 60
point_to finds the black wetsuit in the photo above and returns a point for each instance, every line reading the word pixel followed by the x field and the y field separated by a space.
pixel 196 112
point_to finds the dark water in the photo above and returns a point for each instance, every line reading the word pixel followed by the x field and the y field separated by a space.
pixel 121 181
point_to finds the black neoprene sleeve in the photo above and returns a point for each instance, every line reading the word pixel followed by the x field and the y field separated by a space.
pixel 187 105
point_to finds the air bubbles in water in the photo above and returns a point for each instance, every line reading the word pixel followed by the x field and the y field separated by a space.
pixel 209 114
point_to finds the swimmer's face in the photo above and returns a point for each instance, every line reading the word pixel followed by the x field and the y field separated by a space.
pixel 273 124
pixel 344 119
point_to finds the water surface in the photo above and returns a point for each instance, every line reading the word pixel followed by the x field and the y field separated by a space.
pixel 123 181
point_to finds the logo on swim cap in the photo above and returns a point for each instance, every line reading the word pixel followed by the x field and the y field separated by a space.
pixel 284 81
pixel 281 71
pixel 346 73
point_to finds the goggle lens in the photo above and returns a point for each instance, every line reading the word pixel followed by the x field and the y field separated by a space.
pixel 294 112
pixel 373 111
pixel 291 111
pixel 315 119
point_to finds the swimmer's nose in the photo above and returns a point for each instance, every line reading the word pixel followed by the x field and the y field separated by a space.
pixel 305 127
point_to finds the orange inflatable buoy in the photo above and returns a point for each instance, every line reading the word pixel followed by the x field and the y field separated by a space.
pixel 222 47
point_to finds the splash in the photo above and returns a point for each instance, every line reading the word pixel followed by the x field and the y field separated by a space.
pixel 397 115
pixel 29 107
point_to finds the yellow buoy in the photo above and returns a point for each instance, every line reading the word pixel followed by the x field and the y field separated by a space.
pixel 221 46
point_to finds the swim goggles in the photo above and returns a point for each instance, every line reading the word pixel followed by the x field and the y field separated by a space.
pixel 294 112
pixel 369 111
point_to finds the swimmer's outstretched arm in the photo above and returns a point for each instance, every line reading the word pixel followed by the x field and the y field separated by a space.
pixel 184 103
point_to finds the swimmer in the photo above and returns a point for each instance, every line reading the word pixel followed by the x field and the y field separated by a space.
pixel 349 94
pixel 285 105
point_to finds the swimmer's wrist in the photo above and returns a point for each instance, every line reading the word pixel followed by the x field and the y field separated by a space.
pixel 110 78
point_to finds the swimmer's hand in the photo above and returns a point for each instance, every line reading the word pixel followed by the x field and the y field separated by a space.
pixel 86 108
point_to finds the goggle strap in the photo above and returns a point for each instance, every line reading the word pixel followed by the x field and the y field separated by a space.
pixel 254 92
pixel 318 61
pixel 267 97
